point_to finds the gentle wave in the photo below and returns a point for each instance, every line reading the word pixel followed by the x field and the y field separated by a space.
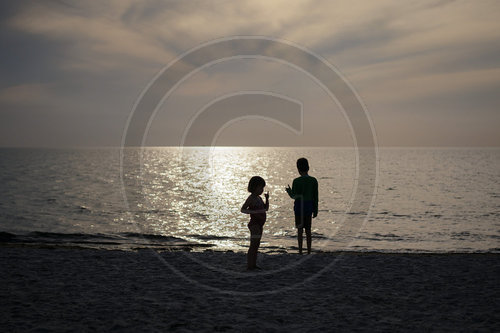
pixel 125 241
pixel 130 241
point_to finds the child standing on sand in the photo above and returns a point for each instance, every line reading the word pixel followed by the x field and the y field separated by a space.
pixel 305 192
pixel 255 206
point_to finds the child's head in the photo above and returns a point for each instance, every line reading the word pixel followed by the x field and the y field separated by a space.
pixel 256 185
pixel 302 165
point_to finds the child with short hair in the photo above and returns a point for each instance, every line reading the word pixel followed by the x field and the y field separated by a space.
pixel 255 206
pixel 305 192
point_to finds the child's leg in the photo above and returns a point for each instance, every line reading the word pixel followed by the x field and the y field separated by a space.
pixel 255 236
pixel 309 240
pixel 307 226
pixel 299 238
pixel 299 224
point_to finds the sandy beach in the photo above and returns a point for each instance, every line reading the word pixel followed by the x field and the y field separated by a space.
pixel 45 290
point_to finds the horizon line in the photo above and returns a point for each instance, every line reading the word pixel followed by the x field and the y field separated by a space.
pixel 317 147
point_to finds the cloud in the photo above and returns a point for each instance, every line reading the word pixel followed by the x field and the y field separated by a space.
pixel 26 94
pixel 95 38
pixel 397 54
pixel 407 82
pixel 363 32
pixel 117 34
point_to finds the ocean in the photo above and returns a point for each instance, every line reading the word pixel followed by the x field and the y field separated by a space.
pixel 427 200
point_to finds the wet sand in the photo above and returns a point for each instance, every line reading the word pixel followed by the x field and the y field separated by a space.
pixel 96 290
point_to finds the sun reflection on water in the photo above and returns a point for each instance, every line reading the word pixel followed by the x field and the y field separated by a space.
pixel 196 193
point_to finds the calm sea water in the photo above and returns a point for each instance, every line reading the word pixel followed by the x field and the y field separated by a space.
pixel 428 200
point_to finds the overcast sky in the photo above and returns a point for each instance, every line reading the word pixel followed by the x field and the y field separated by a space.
pixel 427 71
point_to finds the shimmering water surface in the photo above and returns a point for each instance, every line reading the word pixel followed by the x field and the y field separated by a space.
pixel 428 200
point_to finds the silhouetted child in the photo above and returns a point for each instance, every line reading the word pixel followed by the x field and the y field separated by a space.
pixel 305 192
pixel 255 206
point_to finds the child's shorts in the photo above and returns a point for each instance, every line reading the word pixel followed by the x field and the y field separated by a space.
pixel 303 221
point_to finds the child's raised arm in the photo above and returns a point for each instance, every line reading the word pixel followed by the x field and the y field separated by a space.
pixel 291 191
